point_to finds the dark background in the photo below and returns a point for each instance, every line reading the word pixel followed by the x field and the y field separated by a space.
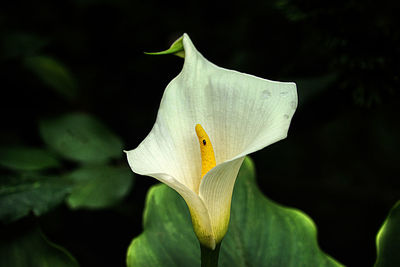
pixel 339 162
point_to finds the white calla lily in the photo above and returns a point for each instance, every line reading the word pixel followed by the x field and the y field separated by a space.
pixel 240 113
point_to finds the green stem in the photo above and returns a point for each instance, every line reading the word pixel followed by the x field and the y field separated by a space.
pixel 209 257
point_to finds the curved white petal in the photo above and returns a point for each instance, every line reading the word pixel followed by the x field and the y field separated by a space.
pixel 216 191
pixel 198 211
pixel 241 113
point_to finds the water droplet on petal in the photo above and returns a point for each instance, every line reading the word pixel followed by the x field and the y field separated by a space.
pixel 286 116
pixel 266 94
pixel 284 93
pixel 293 104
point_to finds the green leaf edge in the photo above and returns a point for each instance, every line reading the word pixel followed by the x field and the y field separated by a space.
pixel 381 233
pixel 136 239
pixel 60 248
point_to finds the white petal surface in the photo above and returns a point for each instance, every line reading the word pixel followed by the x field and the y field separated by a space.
pixel 216 191
pixel 241 113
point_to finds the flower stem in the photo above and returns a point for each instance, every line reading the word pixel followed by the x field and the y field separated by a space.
pixel 209 257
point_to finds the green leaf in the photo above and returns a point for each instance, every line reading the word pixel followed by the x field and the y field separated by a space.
pixel 388 240
pixel 21 195
pixel 34 250
pixel 53 74
pixel 27 159
pixel 261 232
pixel 81 137
pixel 99 186
pixel 175 49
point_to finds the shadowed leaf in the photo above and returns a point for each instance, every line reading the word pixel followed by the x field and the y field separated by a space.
pixel 32 249
pixel 20 44
pixel 20 195
pixel 27 158
pixel 81 137
pixel 53 74
pixel 99 186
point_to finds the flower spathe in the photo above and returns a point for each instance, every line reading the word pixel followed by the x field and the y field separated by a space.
pixel 240 113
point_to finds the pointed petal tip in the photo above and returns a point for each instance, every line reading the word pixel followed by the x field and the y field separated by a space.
pixel 176 49
pixel 185 35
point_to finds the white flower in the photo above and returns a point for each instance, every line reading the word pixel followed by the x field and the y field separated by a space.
pixel 240 113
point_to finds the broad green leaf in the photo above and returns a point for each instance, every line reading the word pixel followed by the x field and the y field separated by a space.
pixel 261 232
pixel 21 195
pixel 175 49
pixel 99 186
pixel 27 158
pixel 31 248
pixel 388 240
pixel 53 74
pixel 81 137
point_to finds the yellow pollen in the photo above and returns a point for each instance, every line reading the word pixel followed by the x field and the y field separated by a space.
pixel 206 149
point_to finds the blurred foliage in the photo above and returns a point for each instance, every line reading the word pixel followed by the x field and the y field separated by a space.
pixel 77 137
pixel 99 186
pixel 80 137
pixel 20 45
pixel 53 74
pixel 62 59
pixel 20 194
pixel 27 158
pixel 33 249
pixel 37 181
